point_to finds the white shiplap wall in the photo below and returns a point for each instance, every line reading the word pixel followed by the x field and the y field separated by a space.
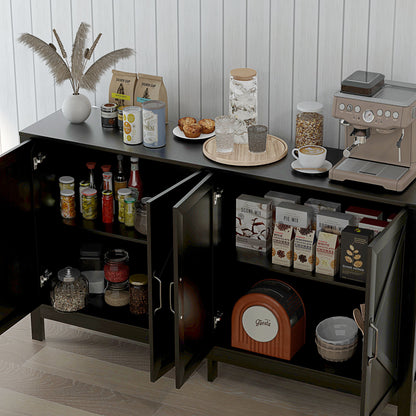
pixel 301 49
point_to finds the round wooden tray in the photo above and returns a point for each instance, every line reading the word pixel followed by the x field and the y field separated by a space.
pixel 276 149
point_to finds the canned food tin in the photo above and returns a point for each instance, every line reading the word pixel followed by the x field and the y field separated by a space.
pixel 66 182
pixel 120 117
pixel 132 125
pixel 68 203
pixel 109 115
pixel 129 211
pixel 107 203
pixel 154 129
pixel 89 204
pixel 122 194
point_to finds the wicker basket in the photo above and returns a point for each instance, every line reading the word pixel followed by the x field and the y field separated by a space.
pixel 335 353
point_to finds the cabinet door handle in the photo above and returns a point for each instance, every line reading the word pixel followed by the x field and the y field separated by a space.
pixel 374 356
pixel 160 293
pixel 171 285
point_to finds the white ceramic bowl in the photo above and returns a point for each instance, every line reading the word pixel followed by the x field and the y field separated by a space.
pixel 337 330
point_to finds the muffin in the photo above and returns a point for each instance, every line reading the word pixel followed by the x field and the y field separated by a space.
pixel 185 120
pixel 192 130
pixel 207 124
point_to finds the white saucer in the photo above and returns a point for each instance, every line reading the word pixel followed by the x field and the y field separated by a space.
pixel 298 167
pixel 179 133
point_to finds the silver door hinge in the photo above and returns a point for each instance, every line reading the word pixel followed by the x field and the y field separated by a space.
pixel 217 195
pixel 45 277
pixel 38 159
pixel 217 318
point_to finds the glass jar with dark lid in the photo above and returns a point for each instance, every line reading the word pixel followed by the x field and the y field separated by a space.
pixel 71 291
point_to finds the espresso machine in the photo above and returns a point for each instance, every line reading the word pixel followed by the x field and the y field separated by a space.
pixel 380 131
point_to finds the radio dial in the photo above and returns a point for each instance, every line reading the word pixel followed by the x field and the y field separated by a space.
pixel 368 116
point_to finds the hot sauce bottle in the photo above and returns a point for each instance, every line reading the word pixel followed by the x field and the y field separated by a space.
pixel 135 181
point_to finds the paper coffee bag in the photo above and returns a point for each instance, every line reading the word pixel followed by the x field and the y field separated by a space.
pixel 122 87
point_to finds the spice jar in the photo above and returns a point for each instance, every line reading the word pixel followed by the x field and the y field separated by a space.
pixel 89 204
pixel 71 292
pixel 68 203
pixel 309 124
pixel 117 294
pixel 109 115
pixel 66 182
pixel 140 220
pixel 129 211
pixel 116 267
pixel 138 294
pixel 122 193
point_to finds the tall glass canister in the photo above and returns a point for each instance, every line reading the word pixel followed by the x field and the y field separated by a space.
pixel 154 130
pixel 243 100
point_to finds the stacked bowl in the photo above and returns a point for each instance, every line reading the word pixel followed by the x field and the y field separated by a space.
pixel 336 338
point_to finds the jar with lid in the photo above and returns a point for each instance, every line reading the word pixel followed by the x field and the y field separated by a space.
pixel 129 211
pixel 121 195
pixel 68 203
pixel 138 294
pixel 309 124
pixel 71 291
pixel 89 204
pixel 140 220
pixel 109 115
pixel 66 182
pixel 116 268
pixel 117 294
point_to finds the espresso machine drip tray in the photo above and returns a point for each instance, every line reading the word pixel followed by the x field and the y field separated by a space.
pixel 380 170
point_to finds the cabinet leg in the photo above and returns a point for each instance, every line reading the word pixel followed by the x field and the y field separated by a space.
pixel 38 325
pixel 212 367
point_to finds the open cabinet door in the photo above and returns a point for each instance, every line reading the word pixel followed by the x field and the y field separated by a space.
pixel 19 280
pixel 381 340
pixel 160 269
pixel 195 219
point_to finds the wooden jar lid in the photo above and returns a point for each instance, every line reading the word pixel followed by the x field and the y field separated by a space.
pixel 243 74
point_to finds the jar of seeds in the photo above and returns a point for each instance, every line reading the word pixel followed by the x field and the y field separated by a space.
pixel 117 294
pixel 309 124
pixel 71 292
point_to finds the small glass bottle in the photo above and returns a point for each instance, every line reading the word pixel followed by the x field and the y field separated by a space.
pixel 91 167
pixel 117 294
pixel 89 204
pixel 120 180
pixel 129 211
pixel 135 181
pixel 71 291
pixel 116 268
pixel 309 124
pixel 122 194
pixel 138 294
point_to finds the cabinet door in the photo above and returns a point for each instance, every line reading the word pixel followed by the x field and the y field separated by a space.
pixel 383 298
pixel 19 280
pixel 195 219
pixel 160 268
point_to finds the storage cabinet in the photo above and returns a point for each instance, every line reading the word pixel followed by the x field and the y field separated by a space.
pixel 195 272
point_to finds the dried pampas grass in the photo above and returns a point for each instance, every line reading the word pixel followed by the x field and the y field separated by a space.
pixel 75 72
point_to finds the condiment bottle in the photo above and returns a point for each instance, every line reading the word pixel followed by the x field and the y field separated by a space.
pixel 122 194
pixel 89 204
pixel 107 206
pixel 91 167
pixel 120 180
pixel 129 211
pixel 135 181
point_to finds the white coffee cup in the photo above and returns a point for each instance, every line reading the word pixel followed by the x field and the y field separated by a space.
pixel 310 156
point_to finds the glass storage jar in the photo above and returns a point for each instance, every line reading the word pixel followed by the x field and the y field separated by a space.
pixel 138 294
pixel 309 124
pixel 117 294
pixel 140 220
pixel 116 268
pixel 89 204
pixel 71 291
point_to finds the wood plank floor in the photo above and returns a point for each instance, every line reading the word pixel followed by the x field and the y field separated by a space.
pixel 76 372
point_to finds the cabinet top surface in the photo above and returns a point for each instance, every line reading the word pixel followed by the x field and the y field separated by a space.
pixel 187 153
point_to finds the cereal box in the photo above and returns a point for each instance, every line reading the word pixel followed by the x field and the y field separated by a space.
pixel 319 205
pixel 360 213
pixel 253 223
pixel 354 253
pixel 327 254
pixel 294 214
pixel 376 225
pixel 283 238
pixel 304 248
pixel 333 222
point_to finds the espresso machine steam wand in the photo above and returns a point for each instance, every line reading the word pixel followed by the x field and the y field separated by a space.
pixel 399 145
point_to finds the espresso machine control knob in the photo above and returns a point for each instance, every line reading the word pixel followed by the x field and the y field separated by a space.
pixel 368 116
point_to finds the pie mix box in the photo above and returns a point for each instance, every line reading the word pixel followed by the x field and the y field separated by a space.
pixel 327 253
pixel 354 253
pixel 294 214
pixel 253 223
pixel 318 205
pixel 376 225
pixel 360 213
pixel 283 239
pixel 333 222
pixel 304 247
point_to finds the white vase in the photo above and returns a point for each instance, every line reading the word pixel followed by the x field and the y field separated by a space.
pixel 76 108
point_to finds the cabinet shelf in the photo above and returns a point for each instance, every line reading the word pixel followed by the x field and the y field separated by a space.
pixel 261 260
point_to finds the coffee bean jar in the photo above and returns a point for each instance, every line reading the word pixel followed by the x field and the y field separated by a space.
pixel 71 291
pixel 309 124
pixel 138 294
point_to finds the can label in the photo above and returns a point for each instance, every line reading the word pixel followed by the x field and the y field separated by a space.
pixel 150 128
pixel 132 126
